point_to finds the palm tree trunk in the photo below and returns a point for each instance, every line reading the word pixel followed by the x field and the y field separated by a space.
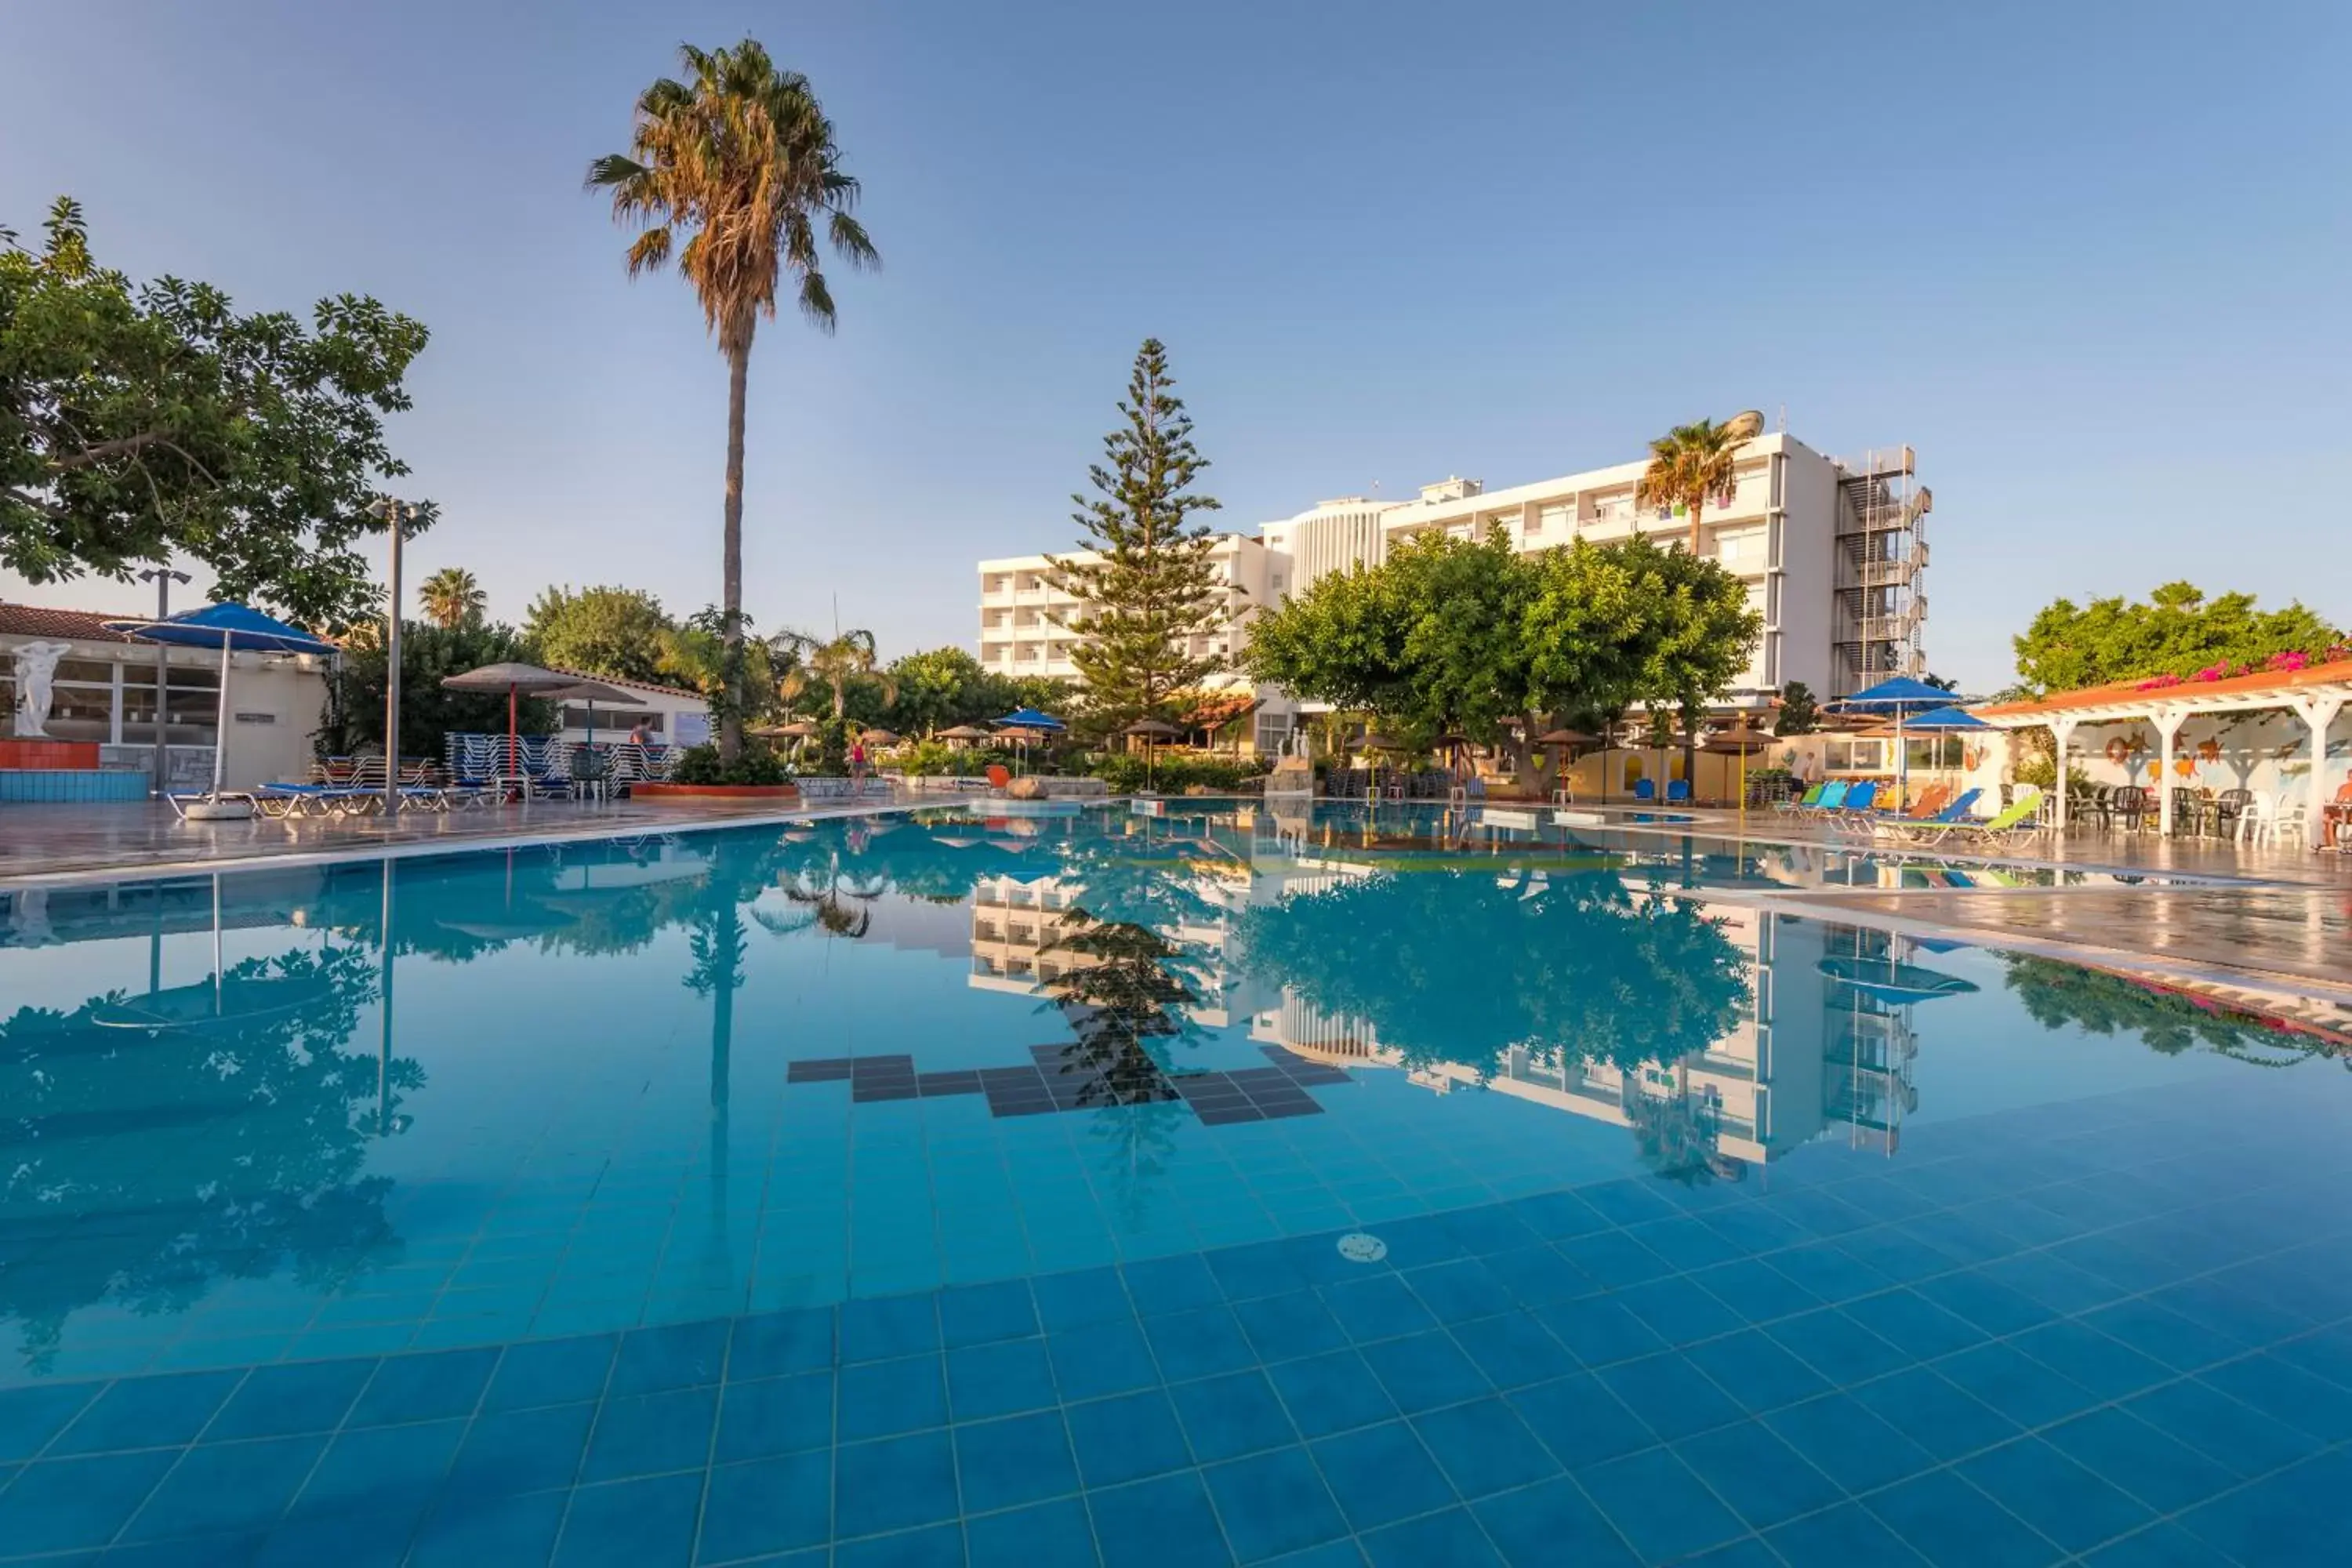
pixel 731 591
pixel 1690 725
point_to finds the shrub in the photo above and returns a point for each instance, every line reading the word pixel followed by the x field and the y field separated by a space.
pixel 758 764
pixel 937 759
pixel 2042 772
pixel 1173 774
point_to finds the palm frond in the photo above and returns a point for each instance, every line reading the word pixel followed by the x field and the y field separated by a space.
pixel 731 162
pixel 612 169
pixel 649 252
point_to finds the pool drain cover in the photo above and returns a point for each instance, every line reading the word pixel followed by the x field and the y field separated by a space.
pixel 1357 1246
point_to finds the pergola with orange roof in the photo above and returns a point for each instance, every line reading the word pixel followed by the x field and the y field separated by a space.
pixel 2316 693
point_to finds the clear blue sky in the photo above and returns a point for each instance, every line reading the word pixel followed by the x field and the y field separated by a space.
pixel 2089 260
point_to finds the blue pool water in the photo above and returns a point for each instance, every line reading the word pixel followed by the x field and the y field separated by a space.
pixel 1389 1188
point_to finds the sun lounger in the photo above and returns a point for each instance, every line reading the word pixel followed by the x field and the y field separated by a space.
pixel 1893 827
pixel 1854 807
pixel 1805 801
pixel 1832 797
pixel 2018 821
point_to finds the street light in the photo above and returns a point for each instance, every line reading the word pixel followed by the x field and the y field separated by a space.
pixel 396 514
pixel 164 577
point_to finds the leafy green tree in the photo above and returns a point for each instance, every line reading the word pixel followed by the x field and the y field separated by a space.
pixel 2179 631
pixel 1699 632
pixel 1801 713
pixel 1464 604
pixel 428 712
pixel 1431 639
pixel 740 160
pixel 452 598
pixel 835 664
pixel 1449 633
pixel 1151 587
pixel 141 422
pixel 1341 641
pixel 621 634
pixel 693 655
pixel 1690 464
pixel 941 688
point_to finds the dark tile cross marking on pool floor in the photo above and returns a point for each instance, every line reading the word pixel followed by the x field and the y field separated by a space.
pixel 1065 1077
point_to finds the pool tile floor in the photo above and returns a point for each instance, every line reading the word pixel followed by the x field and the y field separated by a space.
pixel 2024 1343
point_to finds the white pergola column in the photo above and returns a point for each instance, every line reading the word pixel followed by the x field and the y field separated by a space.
pixel 2167 721
pixel 2318 713
pixel 2063 731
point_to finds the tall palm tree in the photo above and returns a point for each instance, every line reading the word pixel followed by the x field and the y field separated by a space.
pixel 452 598
pixel 843 662
pixel 1691 463
pixel 739 162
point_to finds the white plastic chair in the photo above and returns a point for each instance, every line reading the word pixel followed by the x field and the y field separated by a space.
pixel 2267 819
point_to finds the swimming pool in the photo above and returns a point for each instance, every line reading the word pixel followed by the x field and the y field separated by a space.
pixel 1211 1187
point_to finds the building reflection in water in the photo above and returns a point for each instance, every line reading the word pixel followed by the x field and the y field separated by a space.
pixel 1808 1055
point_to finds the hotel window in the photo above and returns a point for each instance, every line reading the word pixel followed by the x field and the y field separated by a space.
pixel 616 721
pixel 1853 756
pixel 1555 517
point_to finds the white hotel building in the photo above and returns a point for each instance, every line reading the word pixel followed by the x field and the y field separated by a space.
pixel 1831 551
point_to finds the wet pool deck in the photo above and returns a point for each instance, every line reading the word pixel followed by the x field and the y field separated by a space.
pixel 2124 854
pixel 2273 916
pixel 2273 921
pixel 42 843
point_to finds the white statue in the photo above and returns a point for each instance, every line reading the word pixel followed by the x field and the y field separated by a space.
pixel 37 672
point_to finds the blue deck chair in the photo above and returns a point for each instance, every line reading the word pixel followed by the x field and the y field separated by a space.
pixel 1645 789
pixel 1854 811
pixel 1832 797
pixel 1678 789
pixel 1805 801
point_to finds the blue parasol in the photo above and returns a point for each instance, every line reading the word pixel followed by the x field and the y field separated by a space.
pixel 1029 718
pixel 1905 701
pixel 232 628
pixel 1945 719
pixel 1895 696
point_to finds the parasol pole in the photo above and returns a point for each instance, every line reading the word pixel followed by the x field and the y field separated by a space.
pixel 1901 766
pixel 220 720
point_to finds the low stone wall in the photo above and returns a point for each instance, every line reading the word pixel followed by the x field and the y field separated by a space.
pixel 837 791
pixel 1058 786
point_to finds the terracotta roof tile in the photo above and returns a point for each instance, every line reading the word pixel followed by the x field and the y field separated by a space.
pixel 2128 693
pixel 39 621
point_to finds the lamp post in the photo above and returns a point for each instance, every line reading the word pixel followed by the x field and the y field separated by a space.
pixel 164 577
pixel 396 514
